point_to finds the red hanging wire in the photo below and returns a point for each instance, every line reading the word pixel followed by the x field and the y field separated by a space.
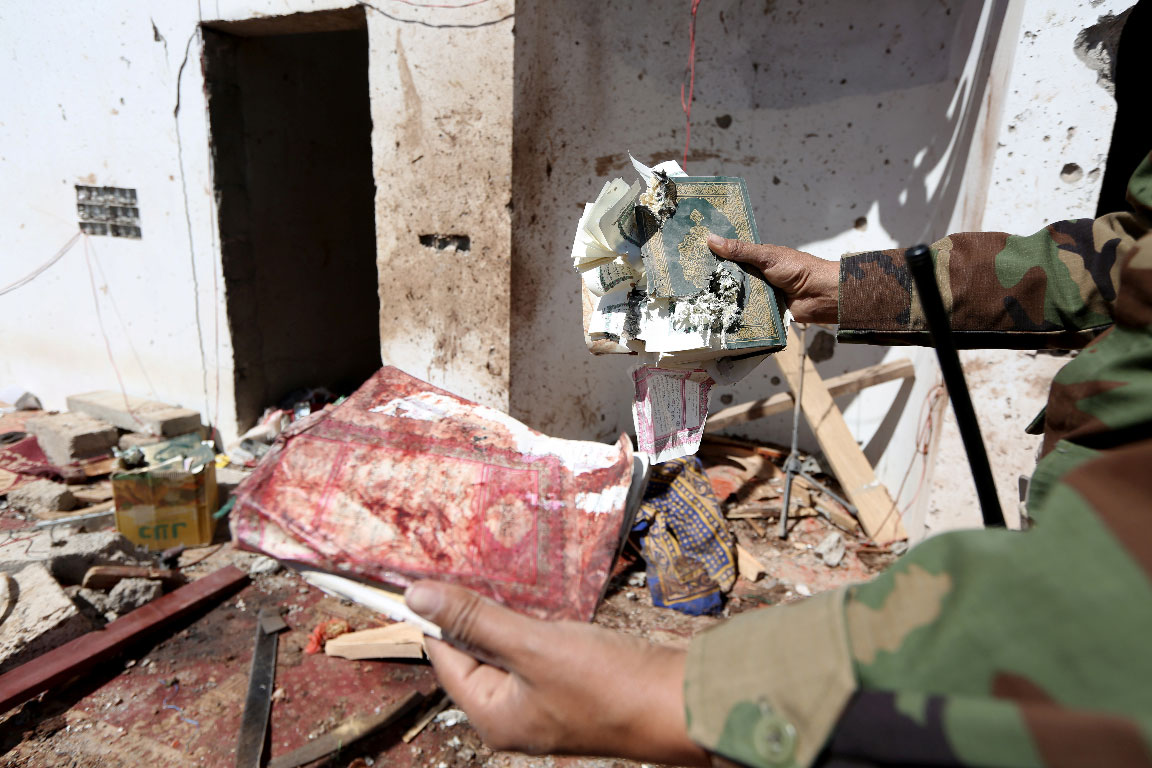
pixel 686 105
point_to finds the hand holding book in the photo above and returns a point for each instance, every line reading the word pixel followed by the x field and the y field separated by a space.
pixel 808 285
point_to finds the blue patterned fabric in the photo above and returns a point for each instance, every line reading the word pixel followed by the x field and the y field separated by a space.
pixel 685 540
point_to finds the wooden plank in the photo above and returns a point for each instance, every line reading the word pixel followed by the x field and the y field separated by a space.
pixel 396 641
pixel 347 733
pixel 838 386
pixel 60 665
pixel 875 508
pixel 747 565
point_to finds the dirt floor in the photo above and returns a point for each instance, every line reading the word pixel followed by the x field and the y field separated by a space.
pixel 178 700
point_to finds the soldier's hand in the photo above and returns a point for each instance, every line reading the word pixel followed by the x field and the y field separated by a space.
pixel 556 687
pixel 810 285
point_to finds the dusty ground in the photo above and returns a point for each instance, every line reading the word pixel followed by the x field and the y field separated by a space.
pixel 178 699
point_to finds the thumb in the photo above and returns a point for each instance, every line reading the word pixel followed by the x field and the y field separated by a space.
pixel 780 266
pixel 470 620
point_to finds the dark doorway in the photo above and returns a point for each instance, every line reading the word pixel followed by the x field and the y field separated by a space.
pixel 292 154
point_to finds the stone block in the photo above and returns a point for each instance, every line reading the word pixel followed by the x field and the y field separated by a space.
pixel 68 557
pixel 40 617
pixel 135 413
pixel 138 440
pixel 69 437
pixel 42 496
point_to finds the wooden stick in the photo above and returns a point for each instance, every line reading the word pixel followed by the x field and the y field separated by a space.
pixel 846 384
pixel 874 507
pixel 62 664
pixel 346 734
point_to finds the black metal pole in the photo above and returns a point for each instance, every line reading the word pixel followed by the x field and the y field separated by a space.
pixel 919 259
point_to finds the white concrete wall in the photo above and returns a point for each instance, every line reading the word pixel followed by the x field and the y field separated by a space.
pixel 89 94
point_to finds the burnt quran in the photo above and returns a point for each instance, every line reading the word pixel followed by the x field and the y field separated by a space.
pixel 652 287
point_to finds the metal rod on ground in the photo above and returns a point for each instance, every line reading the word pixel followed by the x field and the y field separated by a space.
pixel 792 465
pixel 919 259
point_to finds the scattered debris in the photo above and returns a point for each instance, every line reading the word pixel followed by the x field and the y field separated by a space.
pixel 16 399
pixel 136 413
pixel 42 496
pixel 70 437
pixel 325 631
pixel 263 564
pixel 748 566
pixel 831 549
pixel 68 661
pixel 348 733
pixel 106 577
pixel 41 617
pixel 70 558
pixel 439 701
pixel 130 594
pixel 451 717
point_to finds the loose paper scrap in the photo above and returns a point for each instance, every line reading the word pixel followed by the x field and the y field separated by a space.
pixel 669 411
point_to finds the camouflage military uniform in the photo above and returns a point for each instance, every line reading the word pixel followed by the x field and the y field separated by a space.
pixel 987 647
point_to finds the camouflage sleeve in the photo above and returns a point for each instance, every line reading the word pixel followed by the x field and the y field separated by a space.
pixel 988 647
pixel 1055 288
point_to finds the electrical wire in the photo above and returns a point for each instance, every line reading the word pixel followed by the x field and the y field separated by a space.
pixel 104 333
pixel 686 105
pixel 440 5
pixel 42 268
pixel 422 23
pixel 119 317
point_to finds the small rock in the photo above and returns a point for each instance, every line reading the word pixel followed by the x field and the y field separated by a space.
pixel 130 594
pixel 451 717
pixel 94 598
pixel 262 565
pixel 802 589
pixel 637 579
pixel 831 549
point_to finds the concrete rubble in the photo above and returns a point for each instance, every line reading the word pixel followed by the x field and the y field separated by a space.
pixel 135 413
pixel 41 496
pixel 39 618
pixel 831 549
pixel 130 594
pixel 69 437
pixel 68 557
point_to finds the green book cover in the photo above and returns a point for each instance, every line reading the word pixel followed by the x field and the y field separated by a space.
pixel 679 264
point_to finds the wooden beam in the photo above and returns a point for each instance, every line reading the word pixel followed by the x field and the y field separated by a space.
pixel 845 384
pixel 60 665
pixel 876 510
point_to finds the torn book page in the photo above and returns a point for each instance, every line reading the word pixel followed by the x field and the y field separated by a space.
pixel 669 410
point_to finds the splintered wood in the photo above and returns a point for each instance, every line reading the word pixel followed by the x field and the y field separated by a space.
pixel 876 510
